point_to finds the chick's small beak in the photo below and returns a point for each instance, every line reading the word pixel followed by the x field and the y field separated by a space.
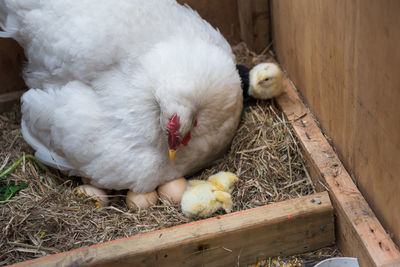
pixel 172 154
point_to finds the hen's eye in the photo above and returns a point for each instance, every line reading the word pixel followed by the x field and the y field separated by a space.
pixel 266 79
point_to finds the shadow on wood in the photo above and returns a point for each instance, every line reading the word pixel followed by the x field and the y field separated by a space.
pixel 11 59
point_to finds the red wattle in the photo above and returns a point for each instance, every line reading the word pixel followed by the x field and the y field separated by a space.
pixel 185 140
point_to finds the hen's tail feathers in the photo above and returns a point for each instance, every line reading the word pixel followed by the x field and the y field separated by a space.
pixel 53 160
pixel 37 114
pixel 8 21
pixel 42 153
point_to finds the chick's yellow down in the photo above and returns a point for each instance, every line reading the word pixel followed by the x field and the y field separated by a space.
pixel 203 198
pixel 265 81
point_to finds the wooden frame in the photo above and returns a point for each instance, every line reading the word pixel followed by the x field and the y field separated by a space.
pixel 358 231
pixel 283 228
pixel 343 58
pixel 7 100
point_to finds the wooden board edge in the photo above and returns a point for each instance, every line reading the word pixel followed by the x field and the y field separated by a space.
pixel 7 100
pixel 358 231
pixel 288 227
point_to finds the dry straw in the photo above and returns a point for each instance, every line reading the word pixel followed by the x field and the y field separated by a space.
pixel 46 217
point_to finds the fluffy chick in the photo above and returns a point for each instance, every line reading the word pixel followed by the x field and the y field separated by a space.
pixel 203 198
pixel 265 81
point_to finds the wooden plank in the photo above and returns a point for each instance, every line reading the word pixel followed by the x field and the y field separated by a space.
pixel 284 228
pixel 11 58
pixel 7 100
pixel 344 58
pixel 254 20
pixel 246 22
pixel 221 14
pixel 262 25
pixel 358 231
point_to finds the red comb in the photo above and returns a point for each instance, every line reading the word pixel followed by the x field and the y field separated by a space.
pixel 173 128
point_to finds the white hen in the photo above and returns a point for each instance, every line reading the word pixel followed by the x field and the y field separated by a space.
pixel 116 85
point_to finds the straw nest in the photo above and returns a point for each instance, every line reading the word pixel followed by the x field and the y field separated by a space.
pixel 46 217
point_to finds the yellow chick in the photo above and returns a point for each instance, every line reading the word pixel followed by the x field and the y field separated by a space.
pixel 265 81
pixel 203 198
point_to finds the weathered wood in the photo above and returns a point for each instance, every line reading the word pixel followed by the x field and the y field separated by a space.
pixel 7 100
pixel 246 22
pixel 284 228
pixel 254 20
pixel 11 58
pixel 221 14
pixel 358 231
pixel 344 58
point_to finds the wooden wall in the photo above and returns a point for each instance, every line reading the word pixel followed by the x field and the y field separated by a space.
pixel 238 20
pixel 11 82
pixel 344 57
pixel 222 14
pixel 11 57
pixel 255 20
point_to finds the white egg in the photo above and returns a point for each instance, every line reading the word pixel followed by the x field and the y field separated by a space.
pixel 98 195
pixel 141 201
pixel 173 190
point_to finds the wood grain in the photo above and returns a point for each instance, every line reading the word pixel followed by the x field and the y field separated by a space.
pixel 358 231
pixel 238 20
pixel 254 20
pixel 344 57
pixel 284 228
pixel 7 100
pixel 221 14
pixel 11 58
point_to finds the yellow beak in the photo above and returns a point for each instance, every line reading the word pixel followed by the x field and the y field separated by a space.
pixel 172 154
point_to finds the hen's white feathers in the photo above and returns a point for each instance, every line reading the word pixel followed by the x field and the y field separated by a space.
pixel 109 74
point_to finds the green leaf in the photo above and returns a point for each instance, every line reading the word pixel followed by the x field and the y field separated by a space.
pixel 15 165
pixel 10 189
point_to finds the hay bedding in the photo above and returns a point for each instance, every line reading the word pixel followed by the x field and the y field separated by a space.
pixel 46 217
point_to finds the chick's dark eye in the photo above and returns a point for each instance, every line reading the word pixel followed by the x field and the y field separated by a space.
pixel 266 79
